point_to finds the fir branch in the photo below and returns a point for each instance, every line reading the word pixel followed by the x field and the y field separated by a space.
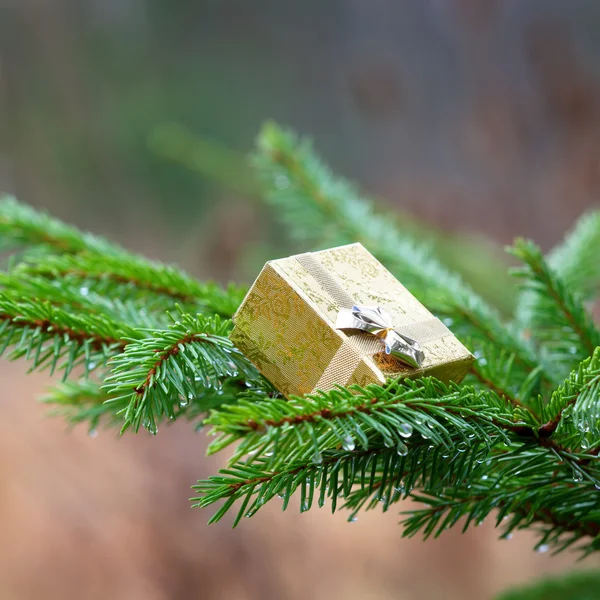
pixel 77 296
pixel 129 276
pixel 456 483
pixel 560 323
pixel 333 477
pixel 575 260
pixel 564 514
pixel 572 414
pixel 22 225
pixel 308 455
pixel 287 444
pixel 170 367
pixel 51 337
pixel 93 263
pixel 305 427
pixel 528 486
pixel 83 401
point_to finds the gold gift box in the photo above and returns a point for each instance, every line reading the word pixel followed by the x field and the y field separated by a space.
pixel 286 325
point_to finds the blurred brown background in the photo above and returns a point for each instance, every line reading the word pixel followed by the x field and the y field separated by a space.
pixel 480 117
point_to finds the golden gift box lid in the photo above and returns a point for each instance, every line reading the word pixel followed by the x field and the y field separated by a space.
pixel 286 325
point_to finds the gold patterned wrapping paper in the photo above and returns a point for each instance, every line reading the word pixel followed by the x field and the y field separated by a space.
pixel 286 324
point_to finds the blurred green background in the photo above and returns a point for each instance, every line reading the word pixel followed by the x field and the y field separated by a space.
pixel 474 121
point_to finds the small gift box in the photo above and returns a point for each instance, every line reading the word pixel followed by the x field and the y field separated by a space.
pixel 338 316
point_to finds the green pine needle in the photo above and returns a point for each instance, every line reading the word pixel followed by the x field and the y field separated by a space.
pixel 170 367
pixel 559 322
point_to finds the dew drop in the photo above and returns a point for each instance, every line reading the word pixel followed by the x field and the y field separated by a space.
pixel 353 519
pixel 542 548
pixel 462 447
pixel 84 291
pixel 405 430
pixel 507 536
pixel 577 476
pixel 93 433
pixel 348 444
pixel 401 449
pixel 151 427
pixel 317 458
pixel 304 507
pixel 484 477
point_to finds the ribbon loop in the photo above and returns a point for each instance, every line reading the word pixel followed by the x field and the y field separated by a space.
pixel 378 322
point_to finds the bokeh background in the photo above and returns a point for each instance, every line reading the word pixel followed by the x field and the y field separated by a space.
pixel 132 118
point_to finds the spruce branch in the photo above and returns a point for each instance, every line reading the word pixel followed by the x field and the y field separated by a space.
pixel 83 401
pixel 549 478
pixel 51 337
pixel 573 413
pixel 77 296
pixel 65 254
pixel 305 427
pixel 290 444
pixel 455 442
pixel 23 226
pixel 129 276
pixel 333 477
pixel 171 367
pixel 562 514
pixel 559 322
pixel 575 262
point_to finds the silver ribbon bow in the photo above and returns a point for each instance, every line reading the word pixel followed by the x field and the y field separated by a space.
pixel 377 321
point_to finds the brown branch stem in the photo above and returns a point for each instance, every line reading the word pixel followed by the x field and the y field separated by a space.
pixel 97 342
